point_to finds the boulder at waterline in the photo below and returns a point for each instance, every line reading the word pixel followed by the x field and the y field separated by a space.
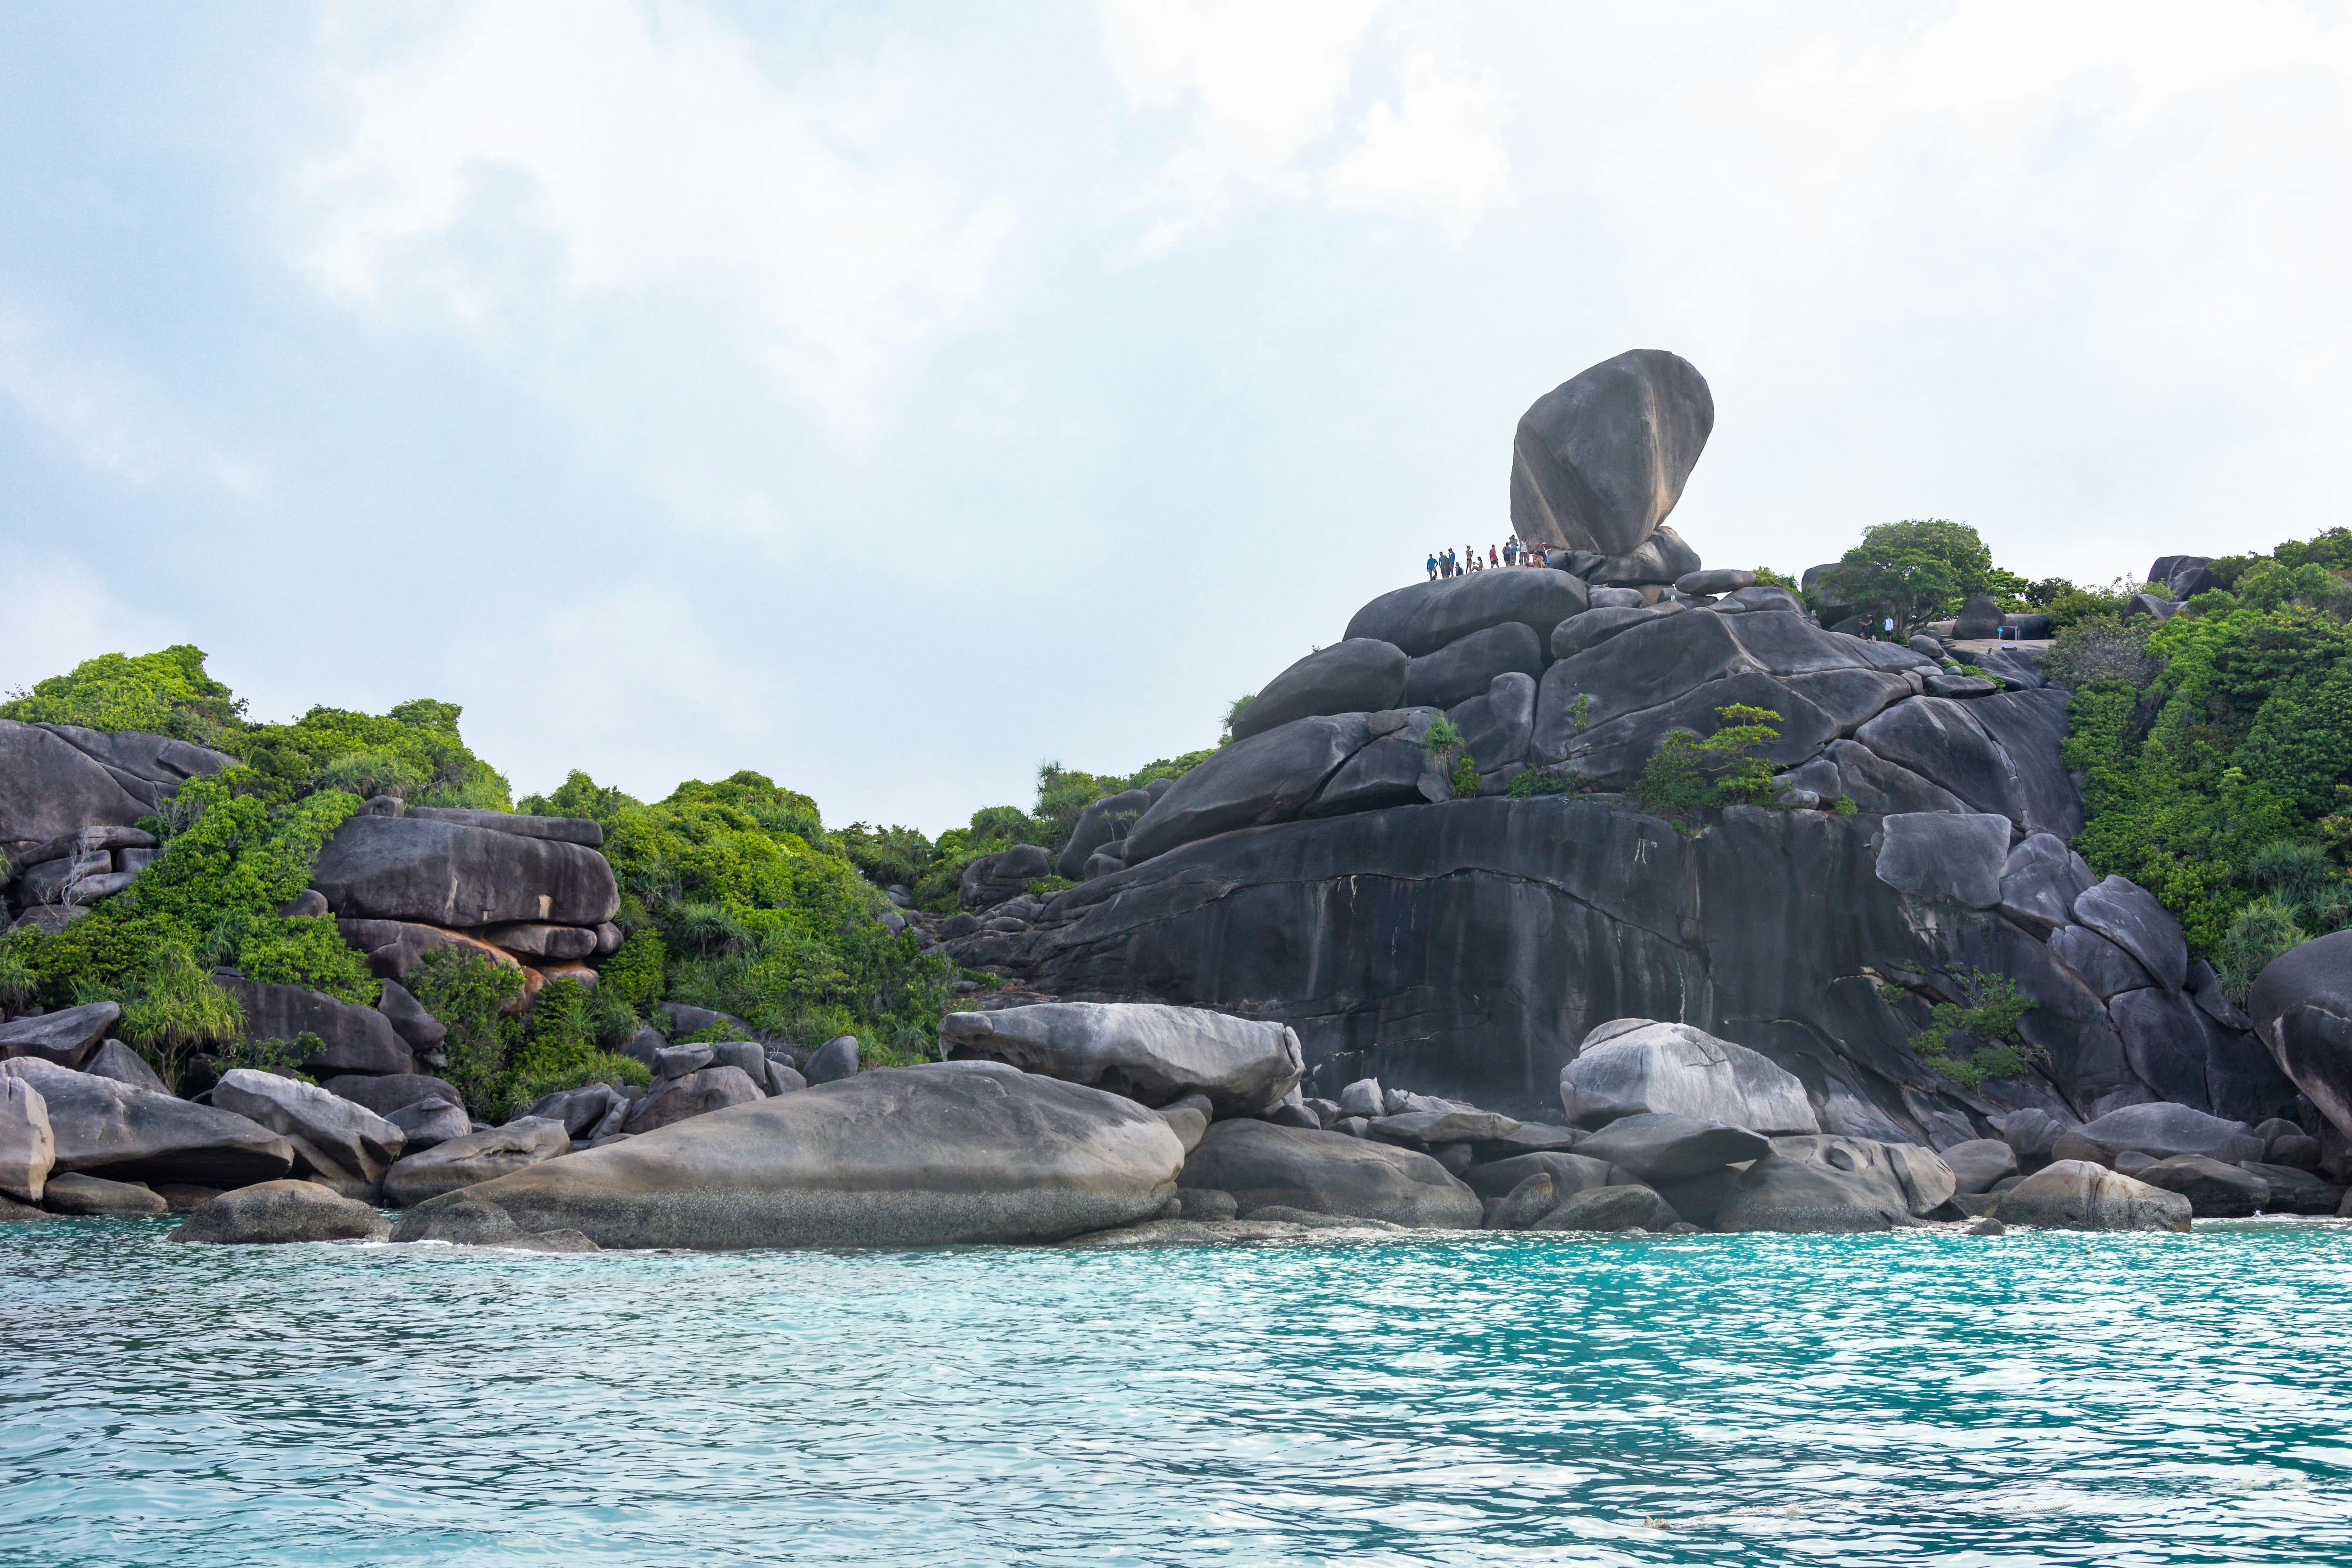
pixel 952 1152
pixel 1631 1207
pixel 278 1212
pixel 2214 1191
pixel 111 1129
pixel 1631 1067
pixel 1263 1165
pixel 2074 1195
pixel 27 1149
pixel 1423 617
pixel 79 1195
pixel 1362 674
pixel 1205 1202
pixel 118 1061
pixel 1569 1173
pixel 1149 1053
pixel 452 874
pixel 699 1093
pixel 2033 1134
pixel 1661 1145
pixel 1834 1184
pixel 474 1159
pixel 1978 1162
pixel 428 1123
pixel 14 1213
pixel 333 1136
pixel 1599 461
pixel 2160 1129
pixel 2301 1004
pixel 1429 1129
pixel 2295 1191
pixel 1524 1205
pixel 66 1036
pixel 357 1039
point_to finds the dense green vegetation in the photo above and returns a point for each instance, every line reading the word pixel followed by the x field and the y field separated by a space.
pixel 1990 1015
pixel 1686 775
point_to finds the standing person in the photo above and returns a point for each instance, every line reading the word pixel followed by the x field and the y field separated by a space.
pixel 1433 566
pixel 1511 550
pixel 1493 559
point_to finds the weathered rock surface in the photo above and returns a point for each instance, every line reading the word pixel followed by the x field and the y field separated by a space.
pixel 2074 1195
pixel 1661 1146
pixel 1997 754
pixel 698 1093
pixel 1630 1206
pixel 579 830
pixel 2301 1004
pixel 1432 1128
pixel 358 1039
pixel 1266 778
pixel 1463 669
pixel 2129 916
pixel 1946 858
pixel 387 1093
pixel 333 1136
pixel 66 1036
pixel 447 873
pixel 1423 617
pixel 1978 1162
pixel 118 1061
pixel 28 1150
pixel 1633 1067
pixel 82 1195
pixel 912 1156
pixel 2214 1191
pixel 1569 1173
pixel 1262 1165
pixel 1497 725
pixel 1599 460
pixel 2160 1129
pixel 476 1158
pixel 280 1212
pixel 55 779
pixel 104 1127
pixel 833 1061
pixel 1104 825
pixel 2040 881
pixel 1149 1053
pixel 428 1123
pixel 1361 675
pixel 1830 1183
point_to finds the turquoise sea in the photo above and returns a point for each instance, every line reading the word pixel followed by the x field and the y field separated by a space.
pixel 1916 1398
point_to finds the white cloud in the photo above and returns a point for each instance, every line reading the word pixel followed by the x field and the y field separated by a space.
pixel 628 150
pixel 1265 87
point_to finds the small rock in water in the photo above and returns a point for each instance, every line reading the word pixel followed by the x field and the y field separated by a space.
pixel 1205 1202
pixel 1984 1225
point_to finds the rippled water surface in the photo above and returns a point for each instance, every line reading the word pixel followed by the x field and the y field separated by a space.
pixel 1922 1398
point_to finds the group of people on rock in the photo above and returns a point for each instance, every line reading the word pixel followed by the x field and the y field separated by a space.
pixel 1449 563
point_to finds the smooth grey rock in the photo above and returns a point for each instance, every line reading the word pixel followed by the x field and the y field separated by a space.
pixel 745 1055
pixel 782 1078
pixel 420 1030
pixel 1532 1138
pixel 1361 675
pixel 1997 753
pixel 834 1060
pixel 2107 969
pixel 1977 1164
pixel 676 1061
pixel 1463 669
pixel 2205 990
pixel 1945 858
pixel 1363 1097
pixel 1598 625
pixel 536 939
pixel 474 1160
pixel 1659 559
pixel 66 1036
pixel 971 1152
pixel 2151 606
pixel 56 779
pixel 580 830
pixel 2129 916
pixel 461 1220
pixel 2073 1195
pixel 2130 1162
pixel 333 1136
pixel 387 1093
pixel 1652 1066
pixel 2164 1129
pixel 1423 617
pixel 1523 1205
pixel 1427 1129
pixel 1960 686
pixel 1266 778
pixel 1104 823
pixel 1497 725
pixel 449 873
pixel 1836 1184
pixel 118 1061
pixel 80 1195
pixel 357 1038
pixel 1189 1119
pixel 2166 1041
pixel 27 1149
pixel 698 1093
pixel 280 1212
pixel 1147 1052
pixel 1878 785
pixel 2301 1005
pixel 2040 880
pixel 2214 1191
pixel 1391 770
pixel 1569 1173
pixel 2295 1191
pixel 993 880
pixel 578 1109
pixel 1720 580
pixel 1630 1206
pixel 1662 1146
pixel 1599 460
pixel 429 1124
pixel 1204 1204
pixel 104 1127
pixel 1328 1172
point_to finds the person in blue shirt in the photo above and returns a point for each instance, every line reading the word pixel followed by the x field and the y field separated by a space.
pixel 1432 567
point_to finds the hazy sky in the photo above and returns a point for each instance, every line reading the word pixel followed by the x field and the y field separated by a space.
pixel 889 398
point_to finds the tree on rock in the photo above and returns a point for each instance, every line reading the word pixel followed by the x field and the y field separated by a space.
pixel 1913 572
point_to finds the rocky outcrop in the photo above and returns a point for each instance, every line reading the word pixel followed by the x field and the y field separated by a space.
pixel 1836 1184
pixel 99 1195
pixel 271 1213
pixel 66 1037
pixel 2074 1195
pixel 343 1145
pixel 2301 1007
pixel 109 1128
pixel 1634 1066
pixel 1361 675
pixel 454 873
pixel 356 1039
pixel 1265 1166
pixel 475 1159
pixel 27 1149
pixel 2159 1130
pixel 1153 1054
pixel 1423 617
pixel 58 779
pixel 910 1156
pixel 1599 460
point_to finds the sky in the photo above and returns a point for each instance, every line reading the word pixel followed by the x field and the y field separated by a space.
pixel 892 398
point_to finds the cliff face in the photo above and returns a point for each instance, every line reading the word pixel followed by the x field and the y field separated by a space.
pixel 1464 949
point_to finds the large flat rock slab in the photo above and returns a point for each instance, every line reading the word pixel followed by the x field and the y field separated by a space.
pixel 452 874
pixel 1149 1052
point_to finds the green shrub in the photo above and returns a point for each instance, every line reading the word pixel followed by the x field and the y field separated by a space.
pixel 1536 782
pixel 634 976
pixel 1990 1012
pixel 165 693
pixel 471 997
pixel 1844 806
pixel 415 747
pixel 172 1009
pixel 2102 647
pixel 2257 934
pixel 284 1058
pixel 19 981
pixel 1686 775
pixel 1768 578
pixel 307 951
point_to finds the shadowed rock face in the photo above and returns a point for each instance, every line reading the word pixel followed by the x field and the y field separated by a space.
pixel 1151 1054
pixel 111 1129
pixel 2301 1009
pixel 55 779
pixel 452 874
pixel 971 1152
pixel 1599 460
pixel 1263 1165
pixel 1466 949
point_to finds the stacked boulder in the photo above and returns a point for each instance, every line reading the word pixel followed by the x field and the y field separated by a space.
pixel 69 800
